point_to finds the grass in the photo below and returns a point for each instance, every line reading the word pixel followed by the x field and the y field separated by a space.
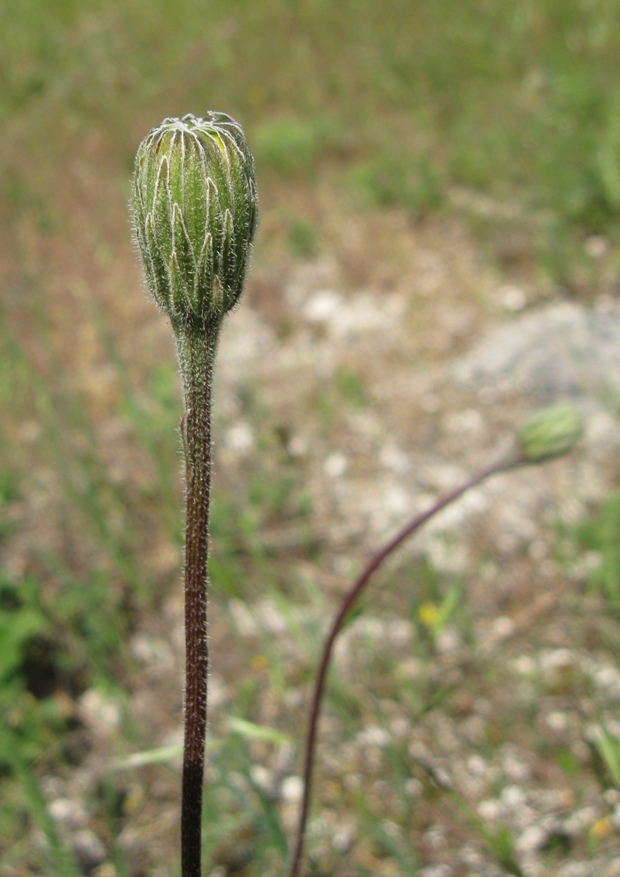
pixel 510 103
pixel 500 117
pixel 599 535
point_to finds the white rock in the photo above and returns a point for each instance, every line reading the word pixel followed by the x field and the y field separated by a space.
pixel 271 618
pixel 292 789
pixel 490 810
pixel 562 350
pixel 464 422
pixel 88 848
pixel 335 465
pixel 531 840
pixel 322 306
pixel 413 788
pixel 99 711
pixel 396 500
pixel 400 727
pixel 447 641
pixel 555 662
pixel 391 457
pixel 240 438
pixel 264 779
pixel 576 869
pixel 515 768
pixel 381 789
pixel 70 815
pixel 557 721
pixel 472 857
pixel 152 652
pixel 374 736
pixel 412 668
pixel 596 246
pixel 513 298
pixel 436 871
pixel 524 665
pixel 513 797
pixel 218 692
pixel 607 677
pixel 298 446
pixel 243 619
pixel 361 313
pixel 400 632
pixel 503 627
pixel 476 766
pixel 344 838
pixel 430 403
pixel 580 821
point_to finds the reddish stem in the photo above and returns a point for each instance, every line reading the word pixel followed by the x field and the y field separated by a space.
pixel 347 604
pixel 196 346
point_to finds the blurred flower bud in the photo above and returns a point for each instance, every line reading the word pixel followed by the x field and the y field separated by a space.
pixel 549 433
pixel 194 209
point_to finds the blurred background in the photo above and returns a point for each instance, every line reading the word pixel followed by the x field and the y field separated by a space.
pixel 438 253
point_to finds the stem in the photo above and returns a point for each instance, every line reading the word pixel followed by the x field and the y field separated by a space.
pixel 196 346
pixel 347 604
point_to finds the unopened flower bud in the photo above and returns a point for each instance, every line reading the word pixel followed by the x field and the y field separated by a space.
pixel 550 433
pixel 194 209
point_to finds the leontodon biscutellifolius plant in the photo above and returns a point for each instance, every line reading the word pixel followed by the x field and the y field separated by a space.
pixel 194 209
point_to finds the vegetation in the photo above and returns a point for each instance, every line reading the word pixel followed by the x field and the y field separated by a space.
pixel 495 118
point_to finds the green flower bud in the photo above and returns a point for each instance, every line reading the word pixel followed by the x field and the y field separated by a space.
pixel 550 433
pixel 194 209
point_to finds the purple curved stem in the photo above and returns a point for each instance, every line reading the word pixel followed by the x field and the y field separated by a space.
pixel 348 602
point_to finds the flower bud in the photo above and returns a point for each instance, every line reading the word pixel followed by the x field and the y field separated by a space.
pixel 194 209
pixel 550 433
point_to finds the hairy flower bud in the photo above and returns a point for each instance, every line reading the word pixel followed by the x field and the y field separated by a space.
pixel 550 433
pixel 194 209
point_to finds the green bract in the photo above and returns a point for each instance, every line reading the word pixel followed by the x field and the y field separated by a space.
pixel 552 432
pixel 194 209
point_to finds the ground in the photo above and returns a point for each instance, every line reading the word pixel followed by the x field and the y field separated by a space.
pixel 437 257
pixel 353 387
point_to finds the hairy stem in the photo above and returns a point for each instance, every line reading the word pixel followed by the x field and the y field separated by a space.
pixel 350 599
pixel 196 347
